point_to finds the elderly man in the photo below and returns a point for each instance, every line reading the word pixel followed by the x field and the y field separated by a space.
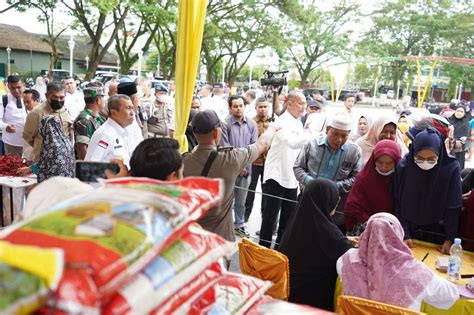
pixel 331 157
pixel 110 140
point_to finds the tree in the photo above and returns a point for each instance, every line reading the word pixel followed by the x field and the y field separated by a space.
pixel 233 31
pixel 97 17
pixel 146 19
pixel 314 37
pixel 406 28
pixel 47 8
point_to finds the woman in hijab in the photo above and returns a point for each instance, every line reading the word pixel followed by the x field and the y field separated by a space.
pixel 57 154
pixel 462 131
pixel 313 243
pixel 371 192
pixel 363 125
pixel 427 188
pixel 384 128
pixel 383 269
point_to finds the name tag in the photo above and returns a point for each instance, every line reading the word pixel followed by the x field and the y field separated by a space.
pixel 117 147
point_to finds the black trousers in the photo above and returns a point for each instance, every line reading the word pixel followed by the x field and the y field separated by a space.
pixel 271 208
pixel 257 171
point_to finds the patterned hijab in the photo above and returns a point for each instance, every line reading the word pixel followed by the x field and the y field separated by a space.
pixel 57 153
pixel 383 268
pixel 369 140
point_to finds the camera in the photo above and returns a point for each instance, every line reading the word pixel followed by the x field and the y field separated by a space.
pixel 274 78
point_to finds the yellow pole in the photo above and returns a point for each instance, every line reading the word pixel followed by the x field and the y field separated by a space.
pixel 332 88
pixel 418 67
pixel 428 80
pixel 343 82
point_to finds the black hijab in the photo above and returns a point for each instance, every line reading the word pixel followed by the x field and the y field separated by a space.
pixel 313 243
pixel 461 125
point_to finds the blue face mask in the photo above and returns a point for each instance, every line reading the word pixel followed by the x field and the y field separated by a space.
pixel 386 173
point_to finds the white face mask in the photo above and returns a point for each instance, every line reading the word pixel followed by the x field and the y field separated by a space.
pixel 425 165
pixel 386 173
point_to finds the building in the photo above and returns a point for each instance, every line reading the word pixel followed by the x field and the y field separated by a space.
pixel 30 53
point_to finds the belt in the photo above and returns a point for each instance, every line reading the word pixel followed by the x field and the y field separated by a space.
pixel 156 135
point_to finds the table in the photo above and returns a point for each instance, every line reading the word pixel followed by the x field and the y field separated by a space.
pixel 462 306
pixel 14 182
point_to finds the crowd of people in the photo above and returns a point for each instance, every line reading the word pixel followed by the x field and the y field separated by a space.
pixel 325 178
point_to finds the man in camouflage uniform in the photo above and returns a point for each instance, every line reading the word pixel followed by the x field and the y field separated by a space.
pixel 89 120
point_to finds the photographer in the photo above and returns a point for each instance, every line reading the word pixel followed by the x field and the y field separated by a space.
pixel 275 81
pixel 262 120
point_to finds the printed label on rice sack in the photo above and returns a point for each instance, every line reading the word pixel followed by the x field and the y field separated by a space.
pixel 182 261
pixel 198 194
pixel 187 291
pixel 107 237
pixel 20 291
pixel 230 294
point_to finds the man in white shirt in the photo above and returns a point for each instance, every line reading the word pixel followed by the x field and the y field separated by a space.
pixel 74 101
pixel 216 102
pixel 250 96
pixel 278 177
pixel 13 116
pixel 110 141
pixel 138 128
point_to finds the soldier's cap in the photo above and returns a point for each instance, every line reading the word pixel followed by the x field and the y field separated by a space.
pixel 127 88
pixel 93 92
pixel 218 85
pixel 314 104
pixel 205 122
pixel 161 87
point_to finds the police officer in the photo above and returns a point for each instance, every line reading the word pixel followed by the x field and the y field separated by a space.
pixel 110 140
pixel 89 120
pixel 226 163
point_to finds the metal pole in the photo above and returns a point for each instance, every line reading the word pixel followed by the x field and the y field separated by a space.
pixel 460 91
pixel 398 89
pixel 71 55
pixel 87 63
pixel 140 55
pixel 250 77
pixel 223 70
pixel 8 59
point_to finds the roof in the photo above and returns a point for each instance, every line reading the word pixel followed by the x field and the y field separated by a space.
pixel 19 39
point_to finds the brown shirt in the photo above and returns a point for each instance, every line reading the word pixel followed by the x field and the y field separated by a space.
pixel 31 132
pixel 227 165
pixel 262 124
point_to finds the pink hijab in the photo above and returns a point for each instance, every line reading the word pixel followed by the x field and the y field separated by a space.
pixel 383 268
pixel 369 140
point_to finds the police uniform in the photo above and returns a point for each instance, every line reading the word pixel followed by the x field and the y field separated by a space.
pixel 227 165
pixel 86 124
pixel 110 141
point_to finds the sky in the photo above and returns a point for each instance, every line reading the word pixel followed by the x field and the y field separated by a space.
pixel 28 21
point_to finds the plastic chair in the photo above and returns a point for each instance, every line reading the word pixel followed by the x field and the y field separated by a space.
pixel 351 305
pixel 266 264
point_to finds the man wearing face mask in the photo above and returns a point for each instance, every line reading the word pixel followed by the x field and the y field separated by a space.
pixel 54 106
pixel 332 157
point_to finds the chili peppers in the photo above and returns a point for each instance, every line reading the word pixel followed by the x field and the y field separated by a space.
pixel 9 165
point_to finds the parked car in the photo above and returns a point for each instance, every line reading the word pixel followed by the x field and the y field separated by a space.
pixel 59 75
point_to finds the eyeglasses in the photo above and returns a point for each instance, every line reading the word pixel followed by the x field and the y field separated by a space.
pixel 429 161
